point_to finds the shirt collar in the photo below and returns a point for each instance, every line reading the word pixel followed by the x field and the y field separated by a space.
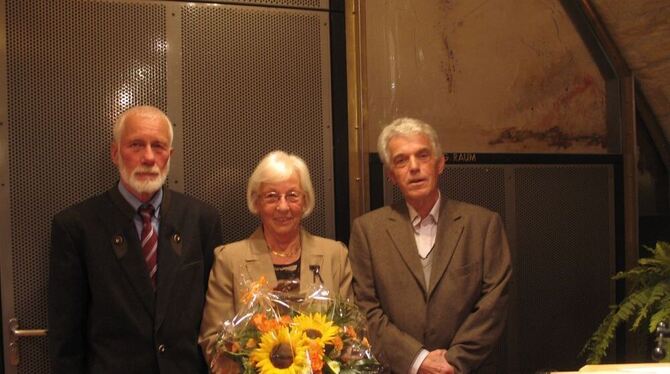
pixel 155 201
pixel 434 212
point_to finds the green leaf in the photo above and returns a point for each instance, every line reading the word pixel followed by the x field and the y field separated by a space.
pixel 663 314
pixel 658 292
pixel 648 294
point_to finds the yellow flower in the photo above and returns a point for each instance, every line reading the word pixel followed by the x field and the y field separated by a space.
pixel 316 328
pixel 280 352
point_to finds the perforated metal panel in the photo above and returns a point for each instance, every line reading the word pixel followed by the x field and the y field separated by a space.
pixel 559 219
pixel 72 66
pixel 565 256
pixel 254 80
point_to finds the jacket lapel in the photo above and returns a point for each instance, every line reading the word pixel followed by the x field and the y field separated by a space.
pixel 126 244
pixel 400 230
pixel 169 255
pixel 449 231
pixel 258 262
pixel 311 260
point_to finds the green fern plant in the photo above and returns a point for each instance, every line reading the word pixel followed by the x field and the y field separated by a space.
pixel 648 301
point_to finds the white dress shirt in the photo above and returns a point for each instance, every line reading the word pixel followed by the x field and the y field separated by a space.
pixel 425 229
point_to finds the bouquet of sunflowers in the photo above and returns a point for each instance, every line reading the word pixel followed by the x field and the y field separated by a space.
pixel 276 333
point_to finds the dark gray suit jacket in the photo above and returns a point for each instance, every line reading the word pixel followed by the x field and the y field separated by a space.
pixel 462 309
pixel 104 316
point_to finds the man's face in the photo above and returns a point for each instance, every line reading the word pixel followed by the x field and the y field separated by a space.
pixel 142 155
pixel 414 168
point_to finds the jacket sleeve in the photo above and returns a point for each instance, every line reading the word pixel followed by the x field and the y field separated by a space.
pixel 219 303
pixel 213 239
pixel 393 347
pixel 480 331
pixel 67 302
pixel 345 271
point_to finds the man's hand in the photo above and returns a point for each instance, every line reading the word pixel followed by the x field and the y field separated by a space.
pixel 436 363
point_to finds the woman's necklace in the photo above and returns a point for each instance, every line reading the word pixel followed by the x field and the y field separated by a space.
pixel 286 254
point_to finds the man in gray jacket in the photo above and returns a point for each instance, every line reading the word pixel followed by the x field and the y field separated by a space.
pixel 431 274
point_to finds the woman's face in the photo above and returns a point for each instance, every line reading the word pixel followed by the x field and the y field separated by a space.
pixel 280 206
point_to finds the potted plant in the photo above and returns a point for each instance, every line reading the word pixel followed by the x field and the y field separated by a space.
pixel 648 302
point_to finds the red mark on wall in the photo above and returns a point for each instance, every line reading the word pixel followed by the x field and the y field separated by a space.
pixel 574 100
pixel 579 87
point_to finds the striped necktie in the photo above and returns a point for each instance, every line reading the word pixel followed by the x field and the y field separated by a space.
pixel 149 240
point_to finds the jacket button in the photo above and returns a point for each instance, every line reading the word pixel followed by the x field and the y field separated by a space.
pixel 162 348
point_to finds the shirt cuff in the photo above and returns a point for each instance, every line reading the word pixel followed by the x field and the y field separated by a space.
pixel 418 361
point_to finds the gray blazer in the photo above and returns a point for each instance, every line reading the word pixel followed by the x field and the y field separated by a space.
pixel 462 309
pixel 251 259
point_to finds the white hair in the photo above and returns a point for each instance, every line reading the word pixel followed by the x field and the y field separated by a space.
pixel 406 126
pixel 275 167
pixel 143 110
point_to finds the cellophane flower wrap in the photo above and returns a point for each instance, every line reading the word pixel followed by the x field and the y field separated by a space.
pixel 279 333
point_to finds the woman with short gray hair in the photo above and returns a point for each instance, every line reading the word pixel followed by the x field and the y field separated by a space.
pixel 280 193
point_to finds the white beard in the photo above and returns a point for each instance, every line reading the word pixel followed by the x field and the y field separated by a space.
pixel 145 186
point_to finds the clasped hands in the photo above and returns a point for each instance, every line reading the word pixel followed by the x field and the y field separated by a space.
pixel 436 363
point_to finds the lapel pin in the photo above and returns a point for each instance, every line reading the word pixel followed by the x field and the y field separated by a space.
pixel 176 238
pixel 117 239
pixel 316 271
pixel 119 245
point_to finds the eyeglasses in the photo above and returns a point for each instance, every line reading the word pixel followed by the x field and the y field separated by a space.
pixel 291 197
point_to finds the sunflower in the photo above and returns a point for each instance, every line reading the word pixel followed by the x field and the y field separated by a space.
pixel 316 328
pixel 281 352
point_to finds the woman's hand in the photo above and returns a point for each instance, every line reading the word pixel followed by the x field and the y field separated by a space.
pixel 224 365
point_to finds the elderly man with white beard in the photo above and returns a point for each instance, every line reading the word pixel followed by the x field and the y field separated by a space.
pixel 128 268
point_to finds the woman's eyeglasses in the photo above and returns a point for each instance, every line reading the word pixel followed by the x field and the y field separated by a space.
pixel 291 197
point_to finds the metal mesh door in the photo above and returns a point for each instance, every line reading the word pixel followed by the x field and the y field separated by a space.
pixel 71 68
pixel 251 80
pixel 255 80
pixel 565 256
